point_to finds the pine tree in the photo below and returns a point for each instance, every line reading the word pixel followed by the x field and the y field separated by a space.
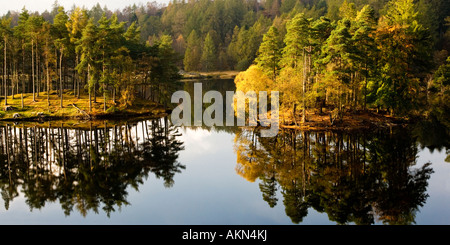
pixel 270 53
pixel 20 33
pixel 296 40
pixel 193 53
pixel 49 57
pixel 297 46
pixel 33 29
pixel 62 42
pixel 208 54
pixel 404 51
pixel 365 46
pixel 75 25
pixel 90 53
pixel 337 56
pixel 5 32
pixel 107 45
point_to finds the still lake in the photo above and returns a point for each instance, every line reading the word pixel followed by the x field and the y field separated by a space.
pixel 150 172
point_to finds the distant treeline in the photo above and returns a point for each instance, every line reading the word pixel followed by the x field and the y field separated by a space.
pixel 235 27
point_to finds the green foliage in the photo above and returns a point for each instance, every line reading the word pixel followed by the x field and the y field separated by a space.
pixel 245 42
pixel 359 60
pixel 441 79
pixel 112 109
pixel 209 54
pixel 404 44
pixel 269 53
pixel 193 52
pixel 350 53
pixel 296 40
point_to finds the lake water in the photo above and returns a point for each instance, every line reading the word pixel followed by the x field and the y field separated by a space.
pixel 150 172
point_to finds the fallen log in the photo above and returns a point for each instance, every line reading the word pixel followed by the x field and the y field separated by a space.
pixel 81 111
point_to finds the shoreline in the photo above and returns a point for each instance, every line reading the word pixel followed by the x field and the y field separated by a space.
pixel 350 121
pixel 75 109
pixel 359 120
pixel 185 76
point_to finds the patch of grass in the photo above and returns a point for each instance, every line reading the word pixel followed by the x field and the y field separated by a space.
pixel 71 106
pixel 112 109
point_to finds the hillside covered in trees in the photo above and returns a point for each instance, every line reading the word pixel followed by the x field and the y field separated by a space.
pixel 349 54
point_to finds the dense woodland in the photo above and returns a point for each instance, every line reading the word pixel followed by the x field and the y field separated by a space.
pixel 394 58
pixel 349 54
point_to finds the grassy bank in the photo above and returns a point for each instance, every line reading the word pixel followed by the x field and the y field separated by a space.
pixel 73 107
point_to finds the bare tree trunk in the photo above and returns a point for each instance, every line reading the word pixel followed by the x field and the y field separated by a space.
pixel 104 98
pixel 48 79
pixel 38 79
pixel 32 68
pixel 304 88
pixel 104 85
pixel 23 72
pixel 13 80
pixel 95 94
pixel 60 77
pixel 4 73
pixel 89 88
pixel 77 79
pixel 114 95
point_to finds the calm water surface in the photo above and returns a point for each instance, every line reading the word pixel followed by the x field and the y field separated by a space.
pixel 150 172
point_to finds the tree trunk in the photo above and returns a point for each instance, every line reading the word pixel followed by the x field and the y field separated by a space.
pixel 13 79
pixel 77 79
pixel 104 98
pixel 48 79
pixel 4 74
pixel 32 68
pixel 38 83
pixel 89 88
pixel 304 89
pixel 23 72
pixel 95 94
pixel 60 77
pixel 104 83
pixel 114 95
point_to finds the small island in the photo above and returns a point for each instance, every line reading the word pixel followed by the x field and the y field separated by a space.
pixel 76 108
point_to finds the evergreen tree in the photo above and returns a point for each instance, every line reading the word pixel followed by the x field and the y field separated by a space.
pixel 75 25
pixel 62 42
pixel 365 46
pixel 296 40
pixel 33 29
pixel 193 53
pixel 20 33
pixel 5 33
pixel 209 55
pixel 298 45
pixel 90 53
pixel 269 54
pixel 338 57
pixel 404 45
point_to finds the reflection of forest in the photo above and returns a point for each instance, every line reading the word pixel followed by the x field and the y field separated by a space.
pixel 220 85
pixel 85 168
pixel 356 177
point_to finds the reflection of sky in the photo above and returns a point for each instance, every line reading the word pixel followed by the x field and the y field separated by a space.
pixel 209 191
pixel 436 209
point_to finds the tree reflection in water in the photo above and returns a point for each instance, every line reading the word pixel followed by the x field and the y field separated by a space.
pixel 87 168
pixel 357 177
